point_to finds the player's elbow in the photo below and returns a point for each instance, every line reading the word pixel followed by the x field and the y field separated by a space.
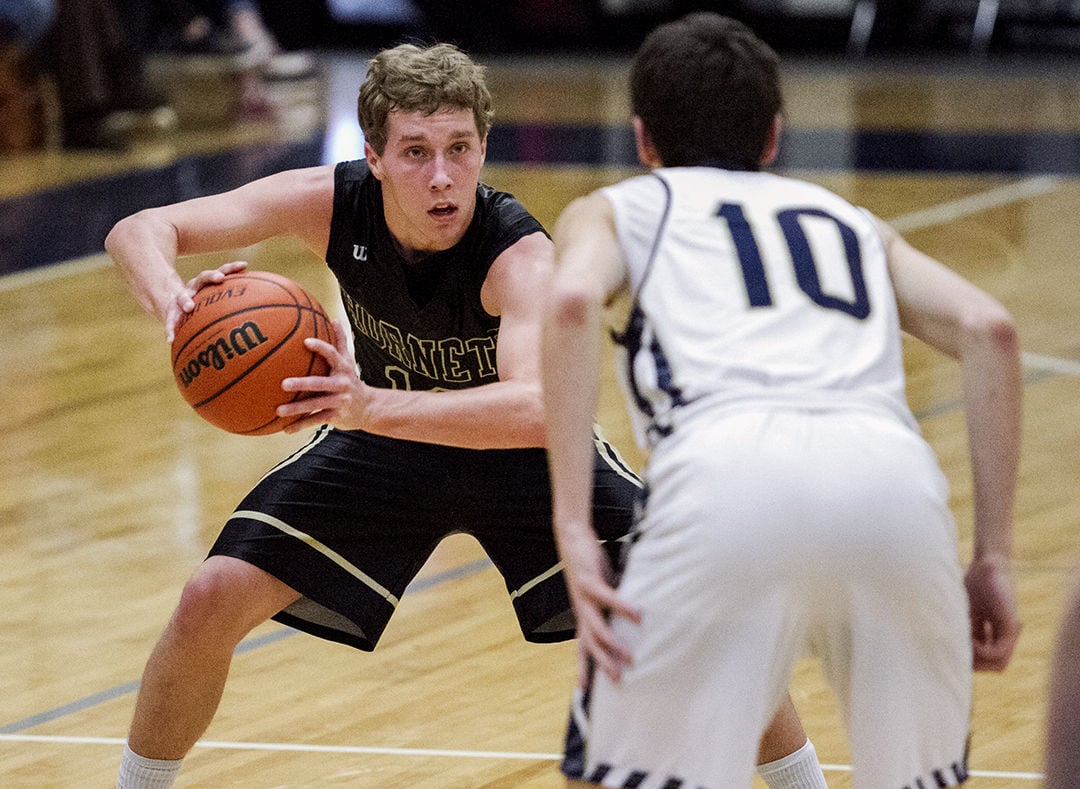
pixel 523 414
pixel 133 232
pixel 114 241
pixel 573 304
pixel 989 323
pixel 531 419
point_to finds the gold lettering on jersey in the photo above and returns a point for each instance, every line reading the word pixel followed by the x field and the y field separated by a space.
pixel 425 356
pixel 392 342
pixel 454 356
pixel 452 360
pixel 484 349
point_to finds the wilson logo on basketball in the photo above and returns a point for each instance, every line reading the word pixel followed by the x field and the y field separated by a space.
pixel 245 337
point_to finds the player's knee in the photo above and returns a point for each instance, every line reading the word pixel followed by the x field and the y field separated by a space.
pixel 202 606
pixel 222 600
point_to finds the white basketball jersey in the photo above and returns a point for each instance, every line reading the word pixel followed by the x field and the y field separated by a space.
pixel 751 287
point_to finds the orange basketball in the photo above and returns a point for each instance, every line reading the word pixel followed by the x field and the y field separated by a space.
pixel 245 335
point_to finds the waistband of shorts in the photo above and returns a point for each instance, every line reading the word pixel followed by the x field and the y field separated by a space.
pixel 819 400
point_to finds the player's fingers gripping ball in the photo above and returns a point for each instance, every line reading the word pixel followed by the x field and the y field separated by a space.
pixel 245 335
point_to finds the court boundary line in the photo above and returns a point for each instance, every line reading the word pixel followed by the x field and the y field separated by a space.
pixel 1051 364
pixel 975 203
pixel 369 750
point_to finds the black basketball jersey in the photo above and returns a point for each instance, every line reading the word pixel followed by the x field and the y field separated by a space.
pixel 418 325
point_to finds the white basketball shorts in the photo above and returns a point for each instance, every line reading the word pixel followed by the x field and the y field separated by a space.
pixel 768 535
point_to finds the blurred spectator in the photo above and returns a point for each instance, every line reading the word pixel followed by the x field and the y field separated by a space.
pixel 195 28
pixel 246 23
pixel 99 78
pixel 24 22
pixel 222 35
pixel 22 25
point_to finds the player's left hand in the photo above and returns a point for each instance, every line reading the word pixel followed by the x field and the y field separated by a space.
pixel 338 398
pixel 995 623
pixel 182 302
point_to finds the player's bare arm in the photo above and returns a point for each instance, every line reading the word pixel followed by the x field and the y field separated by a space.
pixel 957 318
pixel 589 270
pixel 507 413
pixel 146 245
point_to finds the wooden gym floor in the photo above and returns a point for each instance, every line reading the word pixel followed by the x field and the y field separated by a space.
pixel 112 489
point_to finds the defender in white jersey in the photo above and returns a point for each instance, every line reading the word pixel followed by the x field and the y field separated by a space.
pixel 790 506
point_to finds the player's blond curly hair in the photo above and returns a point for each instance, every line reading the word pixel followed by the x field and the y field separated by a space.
pixel 421 79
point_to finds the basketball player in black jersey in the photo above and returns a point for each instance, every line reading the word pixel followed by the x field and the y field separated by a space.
pixel 435 426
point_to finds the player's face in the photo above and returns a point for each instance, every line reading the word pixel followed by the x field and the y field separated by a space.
pixel 429 171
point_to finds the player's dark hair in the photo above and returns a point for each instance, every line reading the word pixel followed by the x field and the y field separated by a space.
pixel 707 90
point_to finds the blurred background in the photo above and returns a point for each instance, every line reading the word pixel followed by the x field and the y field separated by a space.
pixel 819 26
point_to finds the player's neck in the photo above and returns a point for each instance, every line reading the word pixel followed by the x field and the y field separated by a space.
pixel 411 255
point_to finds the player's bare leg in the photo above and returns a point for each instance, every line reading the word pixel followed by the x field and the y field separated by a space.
pixel 784 736
pixel 185 676
pixel 786 757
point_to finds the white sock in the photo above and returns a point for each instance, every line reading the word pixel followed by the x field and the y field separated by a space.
pixel 797 770
pixel 138 772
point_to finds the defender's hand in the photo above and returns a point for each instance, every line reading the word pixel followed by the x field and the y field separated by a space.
pixel 995 623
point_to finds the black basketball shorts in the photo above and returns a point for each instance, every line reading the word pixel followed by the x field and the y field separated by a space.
pixel 349 519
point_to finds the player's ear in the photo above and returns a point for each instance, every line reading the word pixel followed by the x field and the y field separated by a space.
pixel 772 142
pixel 483 150
pixel 646 150
pixel 373 159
